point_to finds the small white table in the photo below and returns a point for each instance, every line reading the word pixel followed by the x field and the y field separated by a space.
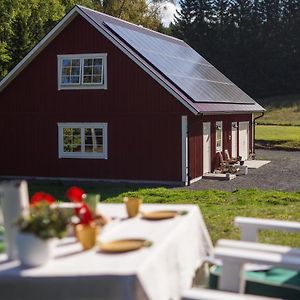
pixel 160 272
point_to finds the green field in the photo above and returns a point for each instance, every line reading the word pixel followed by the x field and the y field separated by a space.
pixel 281 110
pixel 284 113
pixel 281 137
pixel 218 208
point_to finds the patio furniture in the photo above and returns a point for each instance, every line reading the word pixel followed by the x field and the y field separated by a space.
pixel 227 158
pixel 276 268
pixel 162 271
pixel 206 294
pixel 225 166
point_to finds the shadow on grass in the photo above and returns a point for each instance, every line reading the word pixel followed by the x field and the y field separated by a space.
pixel 105 189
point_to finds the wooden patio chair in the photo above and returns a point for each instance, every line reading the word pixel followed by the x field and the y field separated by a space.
pixel 276 271
pixel 225 166
pixel 230 160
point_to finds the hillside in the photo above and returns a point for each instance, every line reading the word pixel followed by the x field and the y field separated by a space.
pixel 283 113
pixel 281 110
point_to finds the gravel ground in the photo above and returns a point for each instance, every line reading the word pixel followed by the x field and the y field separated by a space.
pixel 282 173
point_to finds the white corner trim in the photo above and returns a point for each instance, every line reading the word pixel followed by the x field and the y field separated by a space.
pixel 38 48
pixel 195 179
pixel 219 123
pixel 82 154
pixel 81 86
pixel 184 150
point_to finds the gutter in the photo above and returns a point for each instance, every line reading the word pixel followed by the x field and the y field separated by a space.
pixel 254 120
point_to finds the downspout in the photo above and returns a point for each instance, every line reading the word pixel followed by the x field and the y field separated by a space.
pixel 254 120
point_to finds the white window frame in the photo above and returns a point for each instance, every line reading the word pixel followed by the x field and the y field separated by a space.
pixel 219 124
pixel 82 86
pixel 82 154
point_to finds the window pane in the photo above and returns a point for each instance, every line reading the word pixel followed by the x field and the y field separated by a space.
pixel 87 131
pixel 96 79
pixel 74 79
pixel 66 71
pixel 76 148
pixel 76 71
pixel 88 62
pixel 75 62
pixel 93 140
pixel 72 139
pixel 98 131
pixel 88 71
pixel 99 140
pixel 66 62
pixel 70 71
pixel 87 79
pixel 65 79
pixel 93 71
pixel 97 61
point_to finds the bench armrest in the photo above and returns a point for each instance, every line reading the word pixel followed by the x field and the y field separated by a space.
pixel 205 294
pixel 258 247
pixel 250 226
pixel 234 259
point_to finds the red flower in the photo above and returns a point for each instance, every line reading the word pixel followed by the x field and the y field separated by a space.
pixel 74 194
pixel 84 214
pixel 42 197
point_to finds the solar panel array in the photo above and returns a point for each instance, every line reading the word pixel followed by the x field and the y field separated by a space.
pixel 183 66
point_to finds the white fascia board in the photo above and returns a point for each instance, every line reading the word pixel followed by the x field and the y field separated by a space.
pixel 38 48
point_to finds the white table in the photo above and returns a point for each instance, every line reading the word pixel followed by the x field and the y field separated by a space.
pixel 160 272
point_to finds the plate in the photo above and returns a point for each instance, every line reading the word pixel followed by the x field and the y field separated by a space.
pixel 125 245
pixel 159 214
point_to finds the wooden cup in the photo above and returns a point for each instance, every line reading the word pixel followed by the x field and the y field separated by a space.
pixel 132 206
pixel 87 235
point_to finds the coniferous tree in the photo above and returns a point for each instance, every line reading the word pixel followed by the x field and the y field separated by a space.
pixel 203 32
pixel 184 24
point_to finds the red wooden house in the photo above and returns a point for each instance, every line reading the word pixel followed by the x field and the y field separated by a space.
pixel 101 98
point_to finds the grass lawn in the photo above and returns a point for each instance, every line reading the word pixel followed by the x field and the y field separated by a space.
pixel 278 136
pixel 218 208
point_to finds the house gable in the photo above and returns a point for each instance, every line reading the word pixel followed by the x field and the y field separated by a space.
pixel 186 91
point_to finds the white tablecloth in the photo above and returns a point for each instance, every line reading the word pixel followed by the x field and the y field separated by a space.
pixel 160 272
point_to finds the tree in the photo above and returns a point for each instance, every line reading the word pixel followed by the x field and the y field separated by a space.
pixel 136 11
pixel 6 9
pixel 184 24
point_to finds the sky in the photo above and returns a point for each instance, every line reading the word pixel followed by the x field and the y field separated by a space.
pixel 168 10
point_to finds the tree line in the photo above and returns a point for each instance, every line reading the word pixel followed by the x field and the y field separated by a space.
pixel 256 43
pixel 23 23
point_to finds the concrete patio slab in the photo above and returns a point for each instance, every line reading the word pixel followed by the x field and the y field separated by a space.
pixel 255 164
pixel 218 176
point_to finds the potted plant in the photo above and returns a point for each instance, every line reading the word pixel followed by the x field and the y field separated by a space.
pixel 38 229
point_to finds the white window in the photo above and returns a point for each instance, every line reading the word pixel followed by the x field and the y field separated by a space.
pixel 82 140
pixel 219 136
pixel 83 71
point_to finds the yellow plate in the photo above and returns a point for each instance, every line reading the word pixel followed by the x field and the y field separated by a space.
pixel 125 245
pixel 159 214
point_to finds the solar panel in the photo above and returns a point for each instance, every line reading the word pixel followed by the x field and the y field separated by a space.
pixel 182 65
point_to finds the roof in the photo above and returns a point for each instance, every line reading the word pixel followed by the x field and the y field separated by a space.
pixel 193 81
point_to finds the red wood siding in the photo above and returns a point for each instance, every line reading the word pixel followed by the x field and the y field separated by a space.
pixel 144 120
pixel 196 142
pixel 195 126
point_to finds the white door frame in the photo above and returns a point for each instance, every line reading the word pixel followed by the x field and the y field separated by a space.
pixel 234 139
pixel 206 162
pixel 246 124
